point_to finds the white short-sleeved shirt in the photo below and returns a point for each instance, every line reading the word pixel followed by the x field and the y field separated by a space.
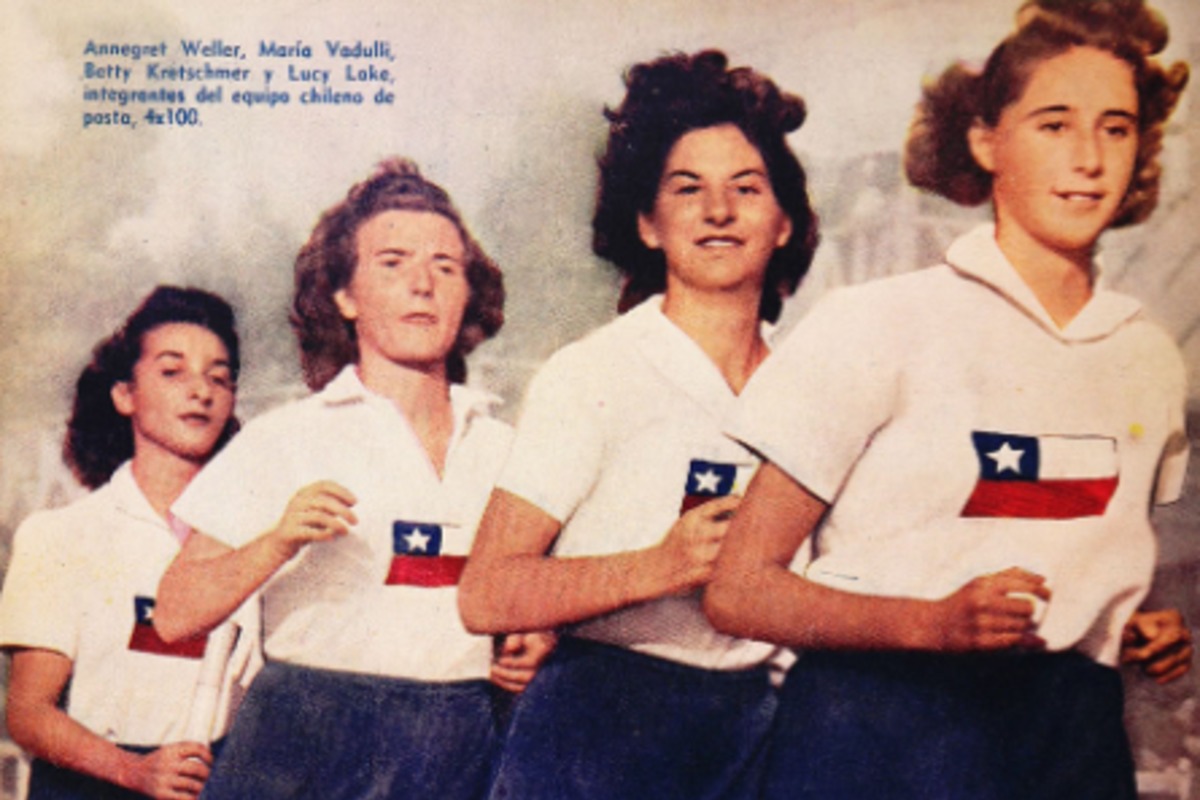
pixel 617 430
pixel 382 600
pixel 82 583
pixel 957 431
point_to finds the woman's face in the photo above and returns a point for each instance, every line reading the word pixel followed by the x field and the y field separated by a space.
pixel 715 215
pixel 181 394
pixel 1062 155
pixel 409 290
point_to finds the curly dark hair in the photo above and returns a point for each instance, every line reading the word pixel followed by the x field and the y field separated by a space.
pixel 99 438
pixel 326 263
pixel 937 154
pixel 665 99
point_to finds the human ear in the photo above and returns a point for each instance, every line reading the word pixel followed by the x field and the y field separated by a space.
pixel 345 305
pixel 785 232
pixel 648 232
pixel 122 398
pixel 981 141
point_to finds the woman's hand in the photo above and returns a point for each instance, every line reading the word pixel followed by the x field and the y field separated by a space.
pixel 985 615
pixel 173 772
pixel 1159 642
pixel 517 658
pixel 316 513
pixel 687 554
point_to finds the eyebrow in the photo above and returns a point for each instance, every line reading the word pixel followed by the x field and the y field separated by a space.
pixel 745 173
pixel 1063 109
pixel 219 362
pixel 400 251
pixel 1119 113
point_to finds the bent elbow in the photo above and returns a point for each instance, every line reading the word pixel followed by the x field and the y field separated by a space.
pixel 18 730
pixel 473 606
pixel 719 603
pixel 171 634
pixel 26 718
pixel 473 622
pixel 169 623
pixel 476 620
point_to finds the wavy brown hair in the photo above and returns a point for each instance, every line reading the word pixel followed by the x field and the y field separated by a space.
pixel 99 438
pixel 937 156
pixel 665 99
pixel 326 263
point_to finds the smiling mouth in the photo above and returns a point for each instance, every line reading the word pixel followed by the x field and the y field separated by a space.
pixel 717 242
pixel 1081 197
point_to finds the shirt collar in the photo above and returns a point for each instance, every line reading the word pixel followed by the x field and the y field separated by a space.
pixel 977 255
pixel 677 357
pixel 467 402
pixel 128 497
pixel 345 388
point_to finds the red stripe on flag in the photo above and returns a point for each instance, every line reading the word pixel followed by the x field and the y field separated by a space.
pixel 691 501
pixel 145 639
pixel 428 571
pixel 1047 499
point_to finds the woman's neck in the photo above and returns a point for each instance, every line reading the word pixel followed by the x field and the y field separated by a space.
pixel 422 395
pixel 726 326
pixel 1062 281
pixel 161 476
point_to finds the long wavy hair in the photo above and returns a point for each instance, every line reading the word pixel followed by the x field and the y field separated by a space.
pixel 326 263
pixel 937 156
pixel 665 99
pixel 99 438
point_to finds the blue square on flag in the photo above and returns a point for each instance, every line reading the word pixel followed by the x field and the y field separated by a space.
pixel 705 481
pixel 710 478
pixel 143 609
pixel 417 558
pixel 416 539
pixel 1006 456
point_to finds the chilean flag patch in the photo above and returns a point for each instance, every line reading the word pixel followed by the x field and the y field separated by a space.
pixel 707 480
pixel 145 639
pixel 417 558
pixel 1042 477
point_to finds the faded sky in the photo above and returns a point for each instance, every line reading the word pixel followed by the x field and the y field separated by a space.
pixel 500 102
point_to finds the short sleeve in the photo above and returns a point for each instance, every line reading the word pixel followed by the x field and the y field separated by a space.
pixel 241 492
pixel 559 444
pixel 37 606
pixel 1172 467
pixel 1172 470
pixel 812 408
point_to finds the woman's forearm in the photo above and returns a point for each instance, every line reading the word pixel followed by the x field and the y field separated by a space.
pixel 534 592
pixel 45 731
pixel 776 605
pixel 754 593
pixel 511 585
pixel 49 734
pixel 208 581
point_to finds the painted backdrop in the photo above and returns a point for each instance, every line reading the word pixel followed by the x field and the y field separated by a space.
pixel 150 141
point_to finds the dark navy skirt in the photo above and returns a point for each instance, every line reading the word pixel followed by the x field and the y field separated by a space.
pixel 604 722
pixel 326 735
pixel 944 727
